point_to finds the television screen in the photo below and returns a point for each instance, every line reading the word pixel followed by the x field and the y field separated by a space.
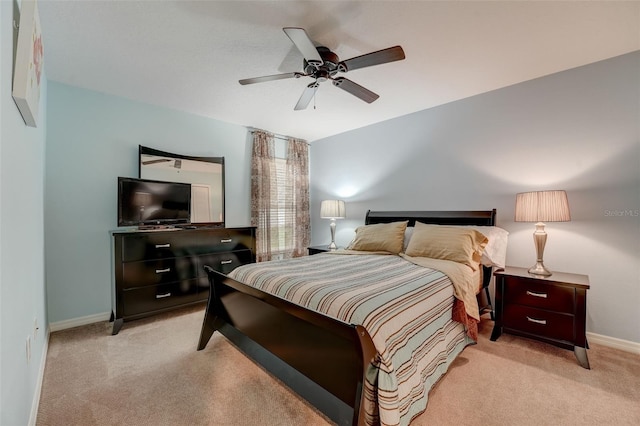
pixel 152 202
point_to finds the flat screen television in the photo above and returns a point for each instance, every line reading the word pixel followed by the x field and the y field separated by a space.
pixel 144 202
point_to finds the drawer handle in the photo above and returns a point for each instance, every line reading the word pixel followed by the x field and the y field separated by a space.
pixel 160 271
pixel 537 321
pixel 163 245
pixel 226 240
pixel 542 295
pixel 162 296
pixel 225 262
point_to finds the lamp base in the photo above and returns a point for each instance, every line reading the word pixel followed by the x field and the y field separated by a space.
pixel 539 269
pixel 539 239
pixel 332 226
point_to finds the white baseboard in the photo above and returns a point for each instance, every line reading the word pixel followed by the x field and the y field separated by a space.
pixel 76 322
pixel 612 342
pixel 57 326
pixel 33 416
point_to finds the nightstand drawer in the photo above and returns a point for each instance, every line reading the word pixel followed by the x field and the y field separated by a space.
pixel 539 322
pixel 552 297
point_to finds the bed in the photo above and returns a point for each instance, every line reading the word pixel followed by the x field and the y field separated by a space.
pixel 329 358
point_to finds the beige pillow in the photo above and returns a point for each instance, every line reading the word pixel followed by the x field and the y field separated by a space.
pixel 387 237
pixel 461 245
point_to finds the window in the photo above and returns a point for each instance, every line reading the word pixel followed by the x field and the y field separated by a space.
pixel 280 198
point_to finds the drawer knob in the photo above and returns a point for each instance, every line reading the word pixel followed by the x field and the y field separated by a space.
pixel 163 245
pixel 225 262
pixel 537 321
pixel 534 294
pixel 226 240
pixel 160 271
pixel 162 296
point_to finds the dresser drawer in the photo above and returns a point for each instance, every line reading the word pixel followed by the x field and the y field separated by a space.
pixel 224 262
pixel 154 245
pixel 552 325
pixel 223 240
pixel 534 294
pixel 159 271
pixel 153 298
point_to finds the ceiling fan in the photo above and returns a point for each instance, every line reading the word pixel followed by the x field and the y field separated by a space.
pixel 322 64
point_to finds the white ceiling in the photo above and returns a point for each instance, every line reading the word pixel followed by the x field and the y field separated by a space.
pixel 189 55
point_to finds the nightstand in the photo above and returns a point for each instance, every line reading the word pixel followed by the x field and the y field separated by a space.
pixel 318 249
pixel 550 309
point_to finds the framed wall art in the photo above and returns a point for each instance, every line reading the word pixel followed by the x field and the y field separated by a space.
pixel 28 63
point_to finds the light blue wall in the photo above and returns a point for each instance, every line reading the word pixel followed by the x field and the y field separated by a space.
pixel 22 289
pixel 577 130
pixel 92 139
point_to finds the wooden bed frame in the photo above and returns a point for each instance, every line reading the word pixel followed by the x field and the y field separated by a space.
pixel 321 359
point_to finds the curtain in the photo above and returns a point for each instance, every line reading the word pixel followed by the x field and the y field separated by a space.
pixel 298 227
pixel 280 198
pixel 262 201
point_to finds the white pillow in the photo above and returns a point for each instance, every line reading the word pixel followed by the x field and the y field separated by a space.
pixel 495 252
pixel 407 236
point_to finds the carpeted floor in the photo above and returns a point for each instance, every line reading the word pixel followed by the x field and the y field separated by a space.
pixel 151 374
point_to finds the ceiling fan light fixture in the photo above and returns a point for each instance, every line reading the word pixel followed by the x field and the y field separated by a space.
pixel 322 76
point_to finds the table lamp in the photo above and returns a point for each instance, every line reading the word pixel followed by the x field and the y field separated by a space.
pixel 332 209
pixel 540 207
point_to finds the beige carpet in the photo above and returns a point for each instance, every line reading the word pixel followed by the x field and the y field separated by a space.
pixel 151 374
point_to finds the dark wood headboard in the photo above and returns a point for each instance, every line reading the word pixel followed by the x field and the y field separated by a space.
pixel 471 217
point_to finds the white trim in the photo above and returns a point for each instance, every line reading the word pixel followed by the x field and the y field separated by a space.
pixel 33 416
pixel 76 322
pixel 612 342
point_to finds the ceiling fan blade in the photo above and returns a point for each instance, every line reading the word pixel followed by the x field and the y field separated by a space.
pixel 383 56
pixel 270 78
pixel 304 44
pixel 160 160
pixel 306 97
pixel 355 89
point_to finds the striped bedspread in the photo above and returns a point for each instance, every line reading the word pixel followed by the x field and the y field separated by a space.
pixel 406 308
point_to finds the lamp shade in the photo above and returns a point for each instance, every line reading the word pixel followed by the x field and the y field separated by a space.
pixel 542 206
pixel 332 209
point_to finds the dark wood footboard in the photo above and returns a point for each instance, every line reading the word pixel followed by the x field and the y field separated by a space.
pixel 321 359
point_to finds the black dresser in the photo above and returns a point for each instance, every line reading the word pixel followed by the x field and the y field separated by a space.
pixel 156 271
